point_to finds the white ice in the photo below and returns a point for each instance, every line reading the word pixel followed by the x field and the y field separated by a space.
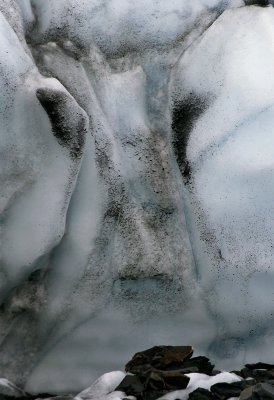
pixel 103 388
pixel 230 151
pixel 119 25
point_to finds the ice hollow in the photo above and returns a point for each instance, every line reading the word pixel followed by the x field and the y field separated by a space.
pixel 136 198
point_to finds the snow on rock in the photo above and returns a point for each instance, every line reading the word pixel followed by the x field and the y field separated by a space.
pixel 103 387
pixel 200 381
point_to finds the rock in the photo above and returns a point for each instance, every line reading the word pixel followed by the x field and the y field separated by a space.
pixel 201 394
pixel 223 391
pixel 197 364
pixel 152 395
pixel 159 357
pixel 247 393
pixel 9 389
pixel 160 370
pixel 259 375
pixel 262 3
pixel 131 385
pixel 154 385
pixel 260 365
pixel 262 391
pixel 166 380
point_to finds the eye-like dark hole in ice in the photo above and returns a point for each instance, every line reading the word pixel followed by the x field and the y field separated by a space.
pixel 68 123
pixel 184 115
pixel 35 276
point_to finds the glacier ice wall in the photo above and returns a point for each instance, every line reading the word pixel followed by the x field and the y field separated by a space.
pixel 136 183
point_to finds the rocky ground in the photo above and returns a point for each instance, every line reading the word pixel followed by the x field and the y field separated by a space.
pixel 167 373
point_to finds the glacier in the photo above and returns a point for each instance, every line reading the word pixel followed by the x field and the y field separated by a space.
pixel 136 155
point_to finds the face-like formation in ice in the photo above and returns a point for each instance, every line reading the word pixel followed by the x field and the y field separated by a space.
pixel 136 199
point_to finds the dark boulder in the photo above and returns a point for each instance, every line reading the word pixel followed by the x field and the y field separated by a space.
pixel 223 391
pixel 261 391
pixel 154 385
pixel 260 365
pixel 262 3
pixel 264 391
pixel 259 375
pixel 247 393
pixel 159 357
pixel 201 394
pixel 166 380
pixel 197 364
pixel 132 386
pixel 159 370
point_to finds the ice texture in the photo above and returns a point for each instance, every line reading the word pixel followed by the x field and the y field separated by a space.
pixel 121 26
pixel 136 184
pixel 229 152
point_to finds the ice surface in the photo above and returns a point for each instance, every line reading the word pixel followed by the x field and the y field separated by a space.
pixel 136 198
pixel 30 157
pixel 119 26
pixel 230 153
